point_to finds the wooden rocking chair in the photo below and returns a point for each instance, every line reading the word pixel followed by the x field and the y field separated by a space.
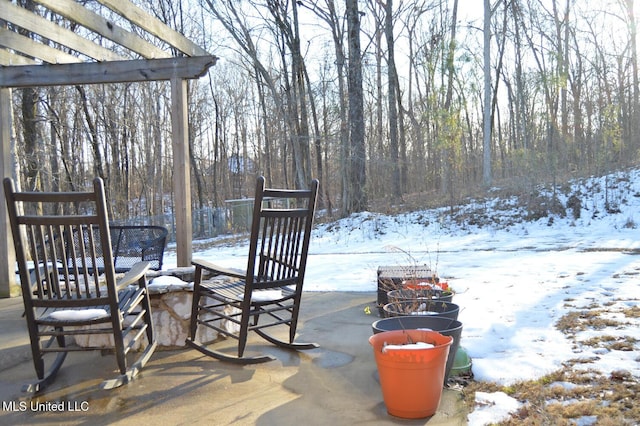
pixel 268 294
pixel 68 281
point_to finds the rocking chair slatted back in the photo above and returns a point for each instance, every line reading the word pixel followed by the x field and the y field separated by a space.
pixel 73 247
pixel 64 249
pixel 280 241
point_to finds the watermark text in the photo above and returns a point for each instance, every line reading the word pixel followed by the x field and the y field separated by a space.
pixel 45 406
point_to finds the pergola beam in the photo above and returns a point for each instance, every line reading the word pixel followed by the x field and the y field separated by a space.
pixel 142 19
pixel 74 11
pixel 30 48
pixel 8 58
pixel 105 72
pixel 38 25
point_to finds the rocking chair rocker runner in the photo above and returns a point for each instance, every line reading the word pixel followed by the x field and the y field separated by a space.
pixel 65 235
pixel 268 294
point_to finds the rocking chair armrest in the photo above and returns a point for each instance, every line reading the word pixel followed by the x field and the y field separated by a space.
pixel 133 275
pixel 218 270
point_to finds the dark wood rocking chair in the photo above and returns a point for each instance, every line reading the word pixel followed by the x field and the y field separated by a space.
pixel 69 285
pixel 268 294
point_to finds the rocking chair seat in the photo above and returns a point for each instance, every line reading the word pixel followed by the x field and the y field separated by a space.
pixel 234 291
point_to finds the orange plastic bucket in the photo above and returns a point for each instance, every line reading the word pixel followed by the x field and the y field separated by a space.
pixel 411 379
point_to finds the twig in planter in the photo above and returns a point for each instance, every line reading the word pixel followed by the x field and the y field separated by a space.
pixel 409 339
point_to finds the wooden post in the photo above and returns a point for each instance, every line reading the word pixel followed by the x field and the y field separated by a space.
pixel 7 253
pixel 181 170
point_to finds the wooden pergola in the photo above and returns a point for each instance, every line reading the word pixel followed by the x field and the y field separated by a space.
pixel 28 62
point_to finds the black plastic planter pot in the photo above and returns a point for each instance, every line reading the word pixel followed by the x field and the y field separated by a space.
pixel 418 307
pixel 443 325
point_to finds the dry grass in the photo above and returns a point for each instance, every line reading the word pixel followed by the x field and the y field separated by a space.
pixel 566 395
pixel 570 394
pixel 632 312
pixel 576 321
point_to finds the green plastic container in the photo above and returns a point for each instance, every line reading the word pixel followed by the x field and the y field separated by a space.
pixel 461 363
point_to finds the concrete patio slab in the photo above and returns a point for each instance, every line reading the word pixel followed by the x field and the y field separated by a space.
pixel 335 384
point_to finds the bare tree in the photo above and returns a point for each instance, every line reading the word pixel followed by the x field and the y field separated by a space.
pixel 633 46
pixel 487 125
pixel 355 198
pixel 568 72
pixel 392 97
pixel 329 14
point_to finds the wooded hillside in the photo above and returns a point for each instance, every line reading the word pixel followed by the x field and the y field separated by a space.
pixel 379 100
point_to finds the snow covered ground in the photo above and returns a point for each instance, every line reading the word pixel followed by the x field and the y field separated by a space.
pixel 514 279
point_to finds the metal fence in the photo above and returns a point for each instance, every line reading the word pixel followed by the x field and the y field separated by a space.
pixel 207 222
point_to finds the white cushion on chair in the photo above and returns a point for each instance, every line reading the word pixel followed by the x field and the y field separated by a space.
pixel 78 314
pixel 266 295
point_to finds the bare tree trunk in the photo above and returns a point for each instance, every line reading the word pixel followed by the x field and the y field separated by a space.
pixel 521 140
pixel 358 199
pixel 392 85
pixel 577 159
pixel 303 134
pixel 295 89
pixel 486 122
pixel 325 134
pixel 93 135
pixel 562 73
pixel 54 160
pixel 317 139
pixel 449 152
pixel 158 148
pixel 265 129
pixel 635 107
pixel 378 161
pixel 30 135
pixel 329 14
